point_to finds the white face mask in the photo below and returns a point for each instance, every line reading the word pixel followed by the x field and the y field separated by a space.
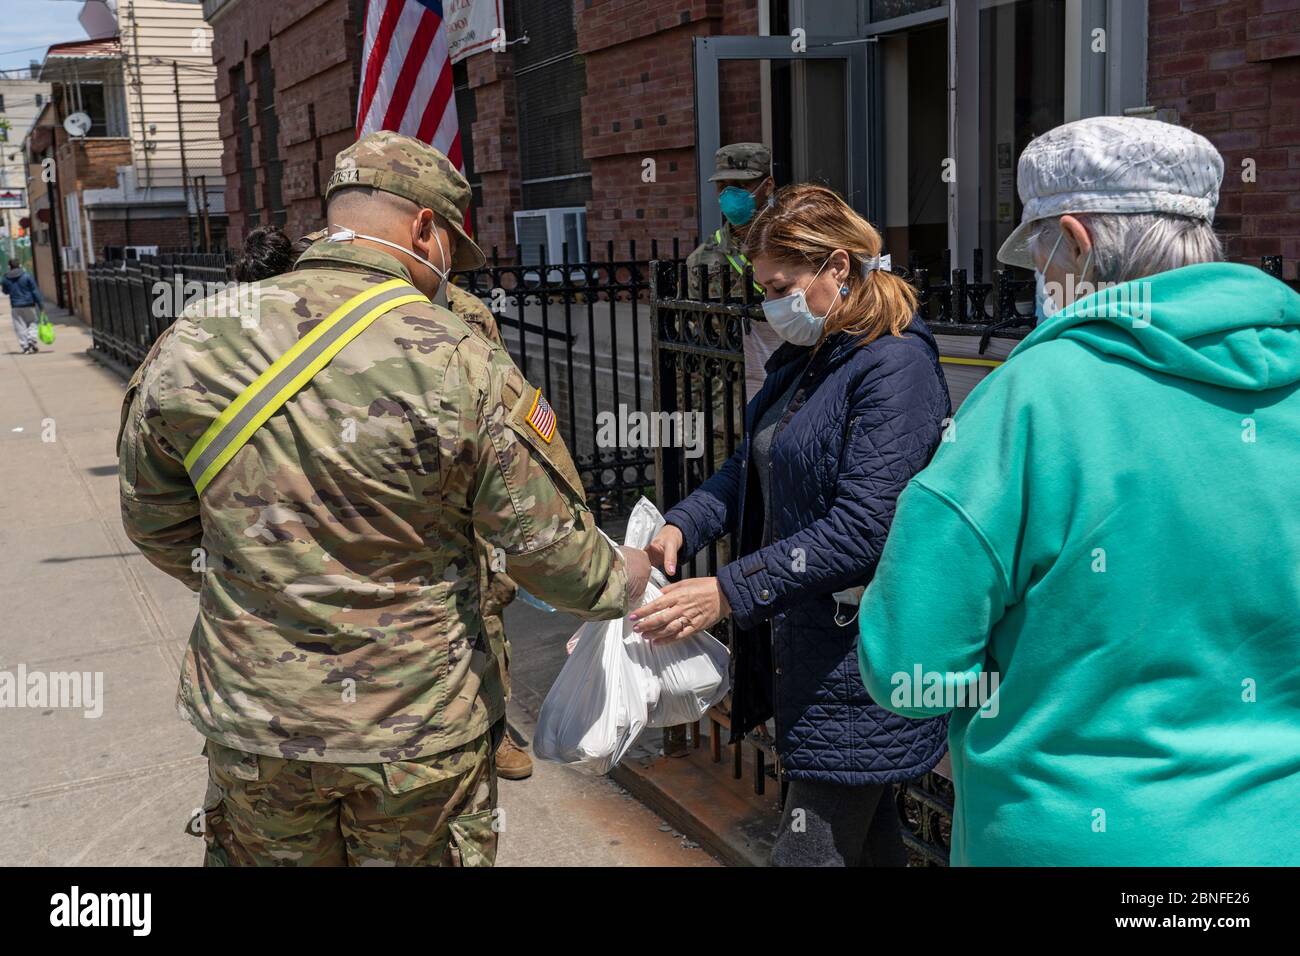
pixel 1046 305
pixel 791 318
pixel 347 235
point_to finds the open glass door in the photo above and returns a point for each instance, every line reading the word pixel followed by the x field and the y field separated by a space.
pixel 813 107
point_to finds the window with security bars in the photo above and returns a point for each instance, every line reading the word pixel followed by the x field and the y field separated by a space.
pixel 272 164
pixel 244 146
pixel 550 81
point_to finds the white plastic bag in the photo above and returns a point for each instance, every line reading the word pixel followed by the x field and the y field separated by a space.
pixel 596 708
pixel 615 683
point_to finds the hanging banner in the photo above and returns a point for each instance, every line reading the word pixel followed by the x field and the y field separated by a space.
pixel 470 26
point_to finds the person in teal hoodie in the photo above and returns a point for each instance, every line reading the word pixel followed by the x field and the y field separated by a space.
pixel 1099 572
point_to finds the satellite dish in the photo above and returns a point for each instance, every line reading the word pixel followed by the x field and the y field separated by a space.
pixel 78 124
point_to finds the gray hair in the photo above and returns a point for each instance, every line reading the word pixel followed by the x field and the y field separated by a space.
pixel 1129 246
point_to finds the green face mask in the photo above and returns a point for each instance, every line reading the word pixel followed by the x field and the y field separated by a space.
pixel 737 205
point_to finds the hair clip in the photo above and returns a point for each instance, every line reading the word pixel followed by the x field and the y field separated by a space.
pixel 884 263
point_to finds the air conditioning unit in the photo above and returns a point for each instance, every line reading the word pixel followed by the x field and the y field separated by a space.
pixel 546 231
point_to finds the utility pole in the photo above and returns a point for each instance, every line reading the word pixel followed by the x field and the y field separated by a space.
pixel 201 184
pixel 185 169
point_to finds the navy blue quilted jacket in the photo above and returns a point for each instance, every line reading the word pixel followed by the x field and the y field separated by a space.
pixel 863 421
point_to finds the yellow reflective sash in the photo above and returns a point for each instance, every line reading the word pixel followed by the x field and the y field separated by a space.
pixel 738 266
pixel 288 374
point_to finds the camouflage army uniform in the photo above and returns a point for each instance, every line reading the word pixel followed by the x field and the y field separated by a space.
pixel 338 666
pixel 499 590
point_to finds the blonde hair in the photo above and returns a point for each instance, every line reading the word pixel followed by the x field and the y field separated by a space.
pixel 804 225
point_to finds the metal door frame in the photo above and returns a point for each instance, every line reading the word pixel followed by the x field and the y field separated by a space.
pixel 862 90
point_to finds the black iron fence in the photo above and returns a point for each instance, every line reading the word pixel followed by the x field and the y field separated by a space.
pixel 580 330
pixel 132 301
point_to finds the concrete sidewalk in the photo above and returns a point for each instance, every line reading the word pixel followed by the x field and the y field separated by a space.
pixel 119 789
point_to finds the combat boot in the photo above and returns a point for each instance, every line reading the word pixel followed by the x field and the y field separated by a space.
pixel 513 763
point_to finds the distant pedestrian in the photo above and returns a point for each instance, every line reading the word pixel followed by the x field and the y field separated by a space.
pixel 26 302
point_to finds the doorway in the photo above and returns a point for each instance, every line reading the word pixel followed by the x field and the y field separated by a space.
pixel 914 67
pixel 812 107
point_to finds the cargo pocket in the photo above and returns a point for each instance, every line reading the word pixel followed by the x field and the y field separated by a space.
pixel 128 453
pixel 473 840
pixel 211 822
pixel 403 777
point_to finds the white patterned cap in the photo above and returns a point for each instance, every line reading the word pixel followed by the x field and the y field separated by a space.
pixel 1113 164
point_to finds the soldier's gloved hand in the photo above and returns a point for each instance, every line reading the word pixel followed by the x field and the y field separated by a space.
pixel 663 549
pixel 638 573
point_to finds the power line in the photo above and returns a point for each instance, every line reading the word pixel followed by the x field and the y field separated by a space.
pixel 43 46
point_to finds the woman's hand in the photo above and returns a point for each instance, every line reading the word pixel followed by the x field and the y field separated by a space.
pixel 684 608
pixel 663 549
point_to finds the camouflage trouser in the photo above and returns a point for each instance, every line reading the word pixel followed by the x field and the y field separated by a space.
pixel 267 811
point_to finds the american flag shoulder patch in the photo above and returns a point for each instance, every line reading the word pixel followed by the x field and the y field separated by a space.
pixel 541 418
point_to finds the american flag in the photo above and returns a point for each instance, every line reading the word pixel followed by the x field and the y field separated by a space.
pixel 406 81
pixel 542 417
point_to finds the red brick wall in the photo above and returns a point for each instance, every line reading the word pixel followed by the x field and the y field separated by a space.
pixel 166 234
pixel 314 50
pixel 496 151
pixel 640 104
pixel 1232 70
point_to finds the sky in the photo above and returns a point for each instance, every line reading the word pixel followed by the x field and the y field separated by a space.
pixel 36 23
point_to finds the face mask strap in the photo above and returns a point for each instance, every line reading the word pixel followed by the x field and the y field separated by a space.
pixel 804 292
pixel 1059 236
pixel 343 234
pixel 1087 262
pixel 840 621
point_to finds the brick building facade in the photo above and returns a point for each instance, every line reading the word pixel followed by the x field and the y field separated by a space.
pixel 1232 71
pixel 1229 69
pixel 286 76
pixel 638 105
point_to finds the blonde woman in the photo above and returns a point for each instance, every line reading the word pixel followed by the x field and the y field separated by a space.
pixel 852 408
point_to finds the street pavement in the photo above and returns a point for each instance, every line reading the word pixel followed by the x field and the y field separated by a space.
pixel 117 789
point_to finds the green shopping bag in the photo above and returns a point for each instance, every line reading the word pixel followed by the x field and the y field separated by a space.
pixel 45 329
